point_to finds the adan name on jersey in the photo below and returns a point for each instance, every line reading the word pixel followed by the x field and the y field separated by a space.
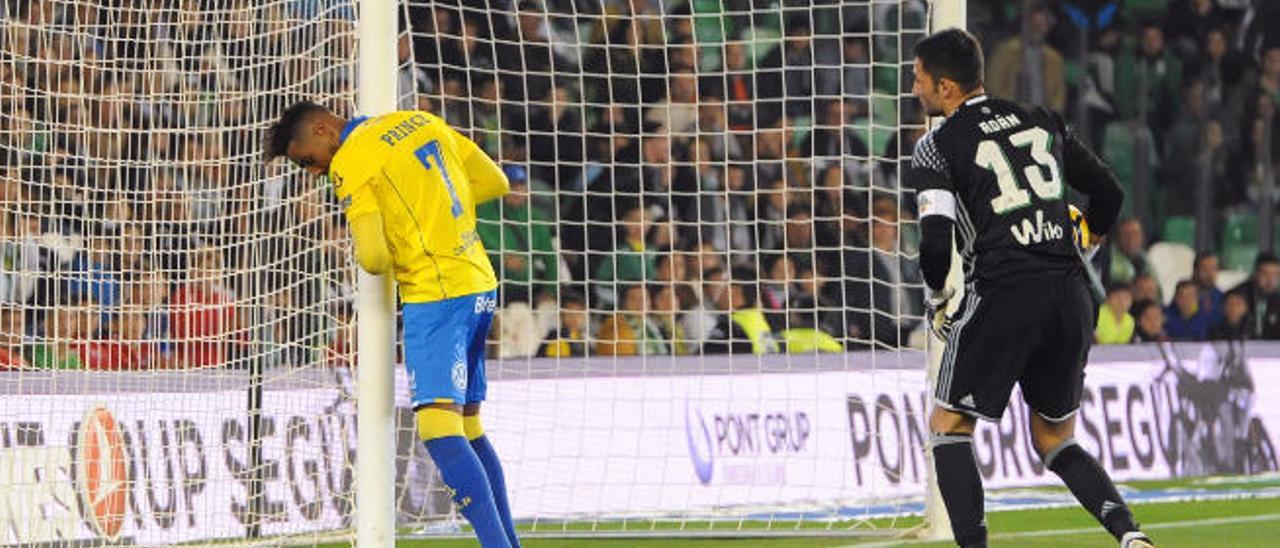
pixel 1040 230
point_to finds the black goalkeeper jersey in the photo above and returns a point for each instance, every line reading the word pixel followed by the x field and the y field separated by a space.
pixel 1007 165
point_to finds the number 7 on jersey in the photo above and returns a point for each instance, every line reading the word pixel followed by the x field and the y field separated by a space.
pixel 431 151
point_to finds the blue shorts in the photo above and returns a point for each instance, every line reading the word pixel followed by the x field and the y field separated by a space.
pixel 444 348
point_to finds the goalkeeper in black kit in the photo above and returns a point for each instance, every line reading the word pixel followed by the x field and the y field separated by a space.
pixel 992 174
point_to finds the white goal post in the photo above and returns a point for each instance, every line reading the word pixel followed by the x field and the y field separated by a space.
pixel 937 525
pixel 375 295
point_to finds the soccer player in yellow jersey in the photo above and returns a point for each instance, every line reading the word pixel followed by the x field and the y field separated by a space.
pixel 409 184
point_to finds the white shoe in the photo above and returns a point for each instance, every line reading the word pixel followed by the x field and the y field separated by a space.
pixel 1136 539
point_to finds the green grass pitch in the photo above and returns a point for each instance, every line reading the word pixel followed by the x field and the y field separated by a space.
pixel 1248 521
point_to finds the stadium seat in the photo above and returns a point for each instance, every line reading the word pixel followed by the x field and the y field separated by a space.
pixel 1240 229
pixel 1179 229
pixel 1228 279
pixel 1170 262
pixel 518 335
pixel 1239 257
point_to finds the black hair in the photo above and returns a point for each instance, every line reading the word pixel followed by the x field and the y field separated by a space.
pixel 797 209
pixel 744 277
pixel 654 288
pixel 1265 258
pixel 1184 283
pixel 1142 306
pixel 1115 287
pixel 281 133
pixel 570 295
pixel 952 54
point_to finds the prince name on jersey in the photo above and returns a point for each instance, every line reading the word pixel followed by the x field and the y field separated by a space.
pixel 997 168
pixel 426 199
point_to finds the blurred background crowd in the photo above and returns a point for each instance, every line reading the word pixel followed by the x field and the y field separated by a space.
pixel 688 176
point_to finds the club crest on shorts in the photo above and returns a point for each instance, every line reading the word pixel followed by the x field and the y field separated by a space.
pixel 459 375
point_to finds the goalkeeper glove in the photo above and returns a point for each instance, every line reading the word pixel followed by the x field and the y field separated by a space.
pixel 1084 239
pixel 936 311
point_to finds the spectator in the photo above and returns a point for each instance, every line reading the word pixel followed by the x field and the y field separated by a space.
pixel 775 288
pixel 833 140
pixel 798 65
pixel 1221 68
pixel 1184 321
pixel 1115 324
pixel 673 270
pixel 570 339
pixel 742 327
pixel 13 330
pixel 203 313
pixel 883 294
pixel 412 80
pixel 556 139
pixel 700 321
pixel 126 347
pixel 1235 314
pixel 1193 136
pixel 1162 71
pixel 517 235
pixel 1205 275
pixel 1189 22
pixel 630 261
pixel 1145 288
pixel 629 332
pixel 1045 78
pixel 1260 292
pixel 802 335
pixel 1150 322
pixel 740 83
pixel 20 255
pixel 814 287
pixel 1127 257
pixel 665 313
pixel 65 326
pixel 150 292
pixel 95 270
pixel 857 68
pixel 679 113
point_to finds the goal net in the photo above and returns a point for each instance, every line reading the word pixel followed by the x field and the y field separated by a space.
pixel 176 316
pixel 712 307
pixel 710 312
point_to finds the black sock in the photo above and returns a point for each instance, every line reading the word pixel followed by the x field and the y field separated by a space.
pixel 961 488
pixel 1092 487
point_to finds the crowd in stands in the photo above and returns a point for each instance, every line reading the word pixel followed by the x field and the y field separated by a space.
pixel 1201 306
pixel 682 182
pixel 687 176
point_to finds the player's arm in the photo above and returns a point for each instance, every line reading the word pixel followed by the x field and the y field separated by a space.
pixel 1088 174
pixel 365 220
pixel 936 204
pixel 487 179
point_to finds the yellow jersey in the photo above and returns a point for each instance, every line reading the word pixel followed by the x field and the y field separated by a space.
pixel 415 167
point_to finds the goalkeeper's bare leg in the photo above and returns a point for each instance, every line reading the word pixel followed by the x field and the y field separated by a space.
pixel 1087 480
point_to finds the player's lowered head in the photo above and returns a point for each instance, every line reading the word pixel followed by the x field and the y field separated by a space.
pixel 948 71
pixel 307 134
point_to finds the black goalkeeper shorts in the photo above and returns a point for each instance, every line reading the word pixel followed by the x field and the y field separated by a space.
pixel 1036 333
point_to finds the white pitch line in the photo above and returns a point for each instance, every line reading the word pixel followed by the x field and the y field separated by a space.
pixel 1059 532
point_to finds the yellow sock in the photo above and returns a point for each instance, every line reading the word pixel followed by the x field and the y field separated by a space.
pixel 471 424
pixel 438 423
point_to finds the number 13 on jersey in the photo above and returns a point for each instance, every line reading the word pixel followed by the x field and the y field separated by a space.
pixel 991 157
